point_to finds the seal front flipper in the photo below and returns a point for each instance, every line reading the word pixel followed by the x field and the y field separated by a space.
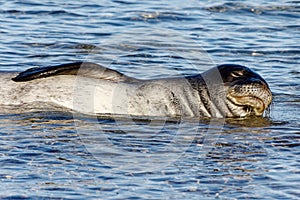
pixel 86 69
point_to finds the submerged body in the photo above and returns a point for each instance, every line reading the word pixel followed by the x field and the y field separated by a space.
pixel 223 91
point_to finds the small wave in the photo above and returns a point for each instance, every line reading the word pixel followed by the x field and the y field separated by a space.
pixel 124 2
pixel 288 52
pixel 241 7
pixel 40 12
pixel 160 16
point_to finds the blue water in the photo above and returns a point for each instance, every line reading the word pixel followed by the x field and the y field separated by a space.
pixel 58 155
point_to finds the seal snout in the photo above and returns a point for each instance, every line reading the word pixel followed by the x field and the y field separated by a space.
pixel 254 96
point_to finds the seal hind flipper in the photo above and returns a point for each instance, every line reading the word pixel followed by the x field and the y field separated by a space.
pixel 86 69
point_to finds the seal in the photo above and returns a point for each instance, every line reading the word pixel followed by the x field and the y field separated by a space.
pixel 224 91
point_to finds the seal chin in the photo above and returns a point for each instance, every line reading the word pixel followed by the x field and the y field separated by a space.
pixel 250 104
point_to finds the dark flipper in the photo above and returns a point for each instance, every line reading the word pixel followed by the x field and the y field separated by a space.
pixel 85 69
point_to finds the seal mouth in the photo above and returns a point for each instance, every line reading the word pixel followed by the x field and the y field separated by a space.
pixel 250 104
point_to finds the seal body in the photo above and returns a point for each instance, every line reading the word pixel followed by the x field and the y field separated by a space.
pixel 223 91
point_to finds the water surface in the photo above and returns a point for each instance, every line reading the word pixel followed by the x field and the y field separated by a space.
pixel 56 155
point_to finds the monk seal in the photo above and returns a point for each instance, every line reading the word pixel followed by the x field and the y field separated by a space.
pixel 90 88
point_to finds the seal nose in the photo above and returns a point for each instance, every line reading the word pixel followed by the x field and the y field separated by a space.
pixel 264 92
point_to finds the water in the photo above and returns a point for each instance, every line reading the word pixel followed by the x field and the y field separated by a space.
pixel 56 155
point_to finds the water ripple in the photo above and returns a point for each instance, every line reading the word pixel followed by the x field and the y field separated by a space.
pixel 244 8
pixel 43 156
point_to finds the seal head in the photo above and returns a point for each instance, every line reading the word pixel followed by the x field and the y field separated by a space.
pixel 247 92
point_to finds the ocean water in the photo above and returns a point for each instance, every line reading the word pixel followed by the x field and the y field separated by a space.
pixel 60 155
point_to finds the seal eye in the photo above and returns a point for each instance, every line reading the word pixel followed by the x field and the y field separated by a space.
pixel 237 74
